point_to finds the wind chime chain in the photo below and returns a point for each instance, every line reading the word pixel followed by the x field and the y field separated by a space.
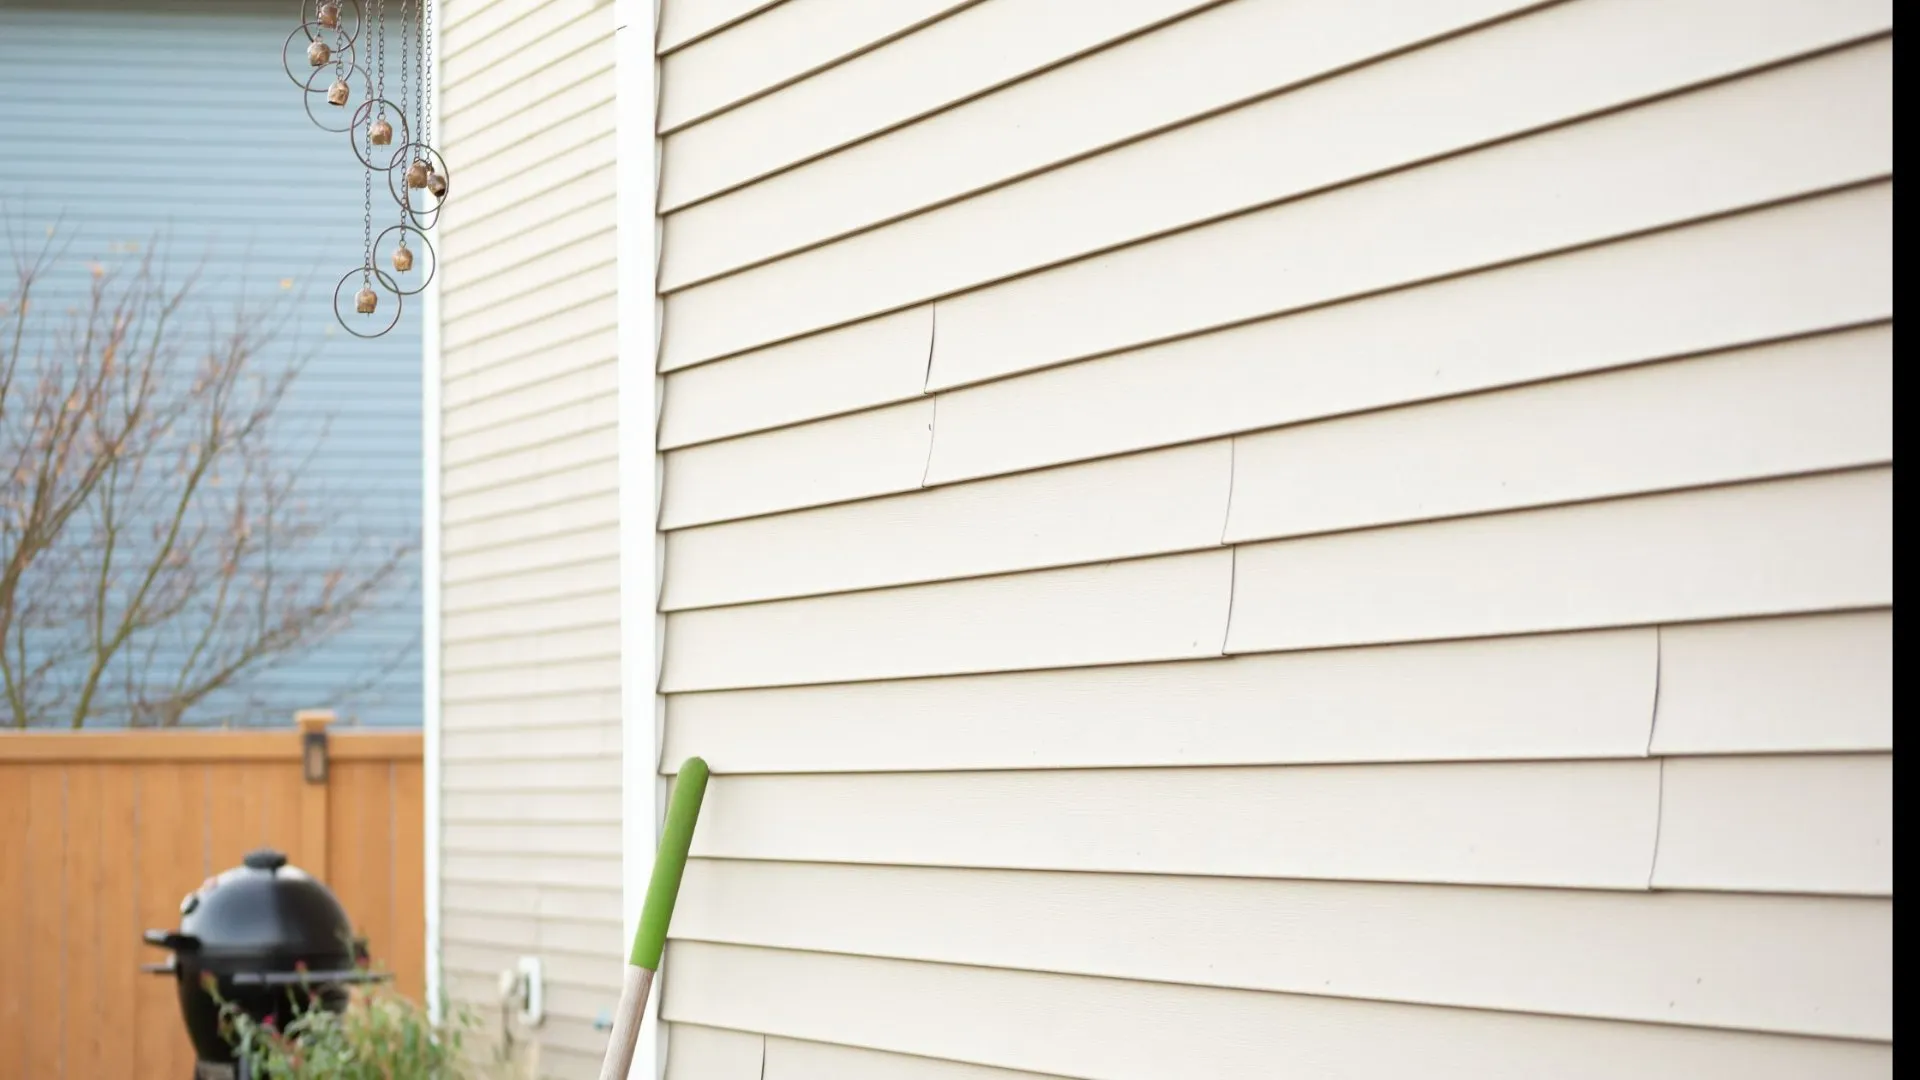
pixel 406 53
pixel 426 68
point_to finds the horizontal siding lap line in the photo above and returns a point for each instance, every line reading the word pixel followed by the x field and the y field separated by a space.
pixel 585 74
pixel 517 211
pixel 532 352
pixel 1800 684
pixel 455 227
pixel 586 141
pixel 1114 1029
pixel 1794 965
pixel 770 75
pixel 586 77
pixel 1744 59
pixel 525 46
pixel 569 529
pixel 499 575
pixel 1089 35
pixel 540 663
pixel 543 349
pixel 798 314
pixel 516 605
pixel 585 299
pixel 1660 347
pixel 1226 517
pixel 1505 1009
pixel 678 31
pixel 510 266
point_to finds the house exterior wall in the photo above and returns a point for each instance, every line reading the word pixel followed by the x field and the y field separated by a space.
pixel 129 123
pixel 530 702
pixel 1206 540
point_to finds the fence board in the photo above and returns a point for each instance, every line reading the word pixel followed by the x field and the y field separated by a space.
pixel 101 834
pixel 13 930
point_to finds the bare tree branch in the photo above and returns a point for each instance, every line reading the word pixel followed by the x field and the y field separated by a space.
pixel 157 546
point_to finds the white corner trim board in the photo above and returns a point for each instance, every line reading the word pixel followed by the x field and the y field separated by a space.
pixel 642 789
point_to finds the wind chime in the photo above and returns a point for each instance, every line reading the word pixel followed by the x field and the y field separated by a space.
pixel 341 43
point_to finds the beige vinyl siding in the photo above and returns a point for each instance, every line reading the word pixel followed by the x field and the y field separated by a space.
pixel 530 590
pixel 1353 535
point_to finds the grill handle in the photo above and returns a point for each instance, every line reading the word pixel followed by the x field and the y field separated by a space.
pixel 172 940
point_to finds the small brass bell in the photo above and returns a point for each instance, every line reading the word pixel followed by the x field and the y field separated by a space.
pixel 365 301
pixel 318 54
pixel 417 174
pixel 437 184
pixel 338 93
pixel 402 258
pixel 380 133
pixel 330 16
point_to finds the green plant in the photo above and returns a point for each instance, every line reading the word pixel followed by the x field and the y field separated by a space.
pixel 380 1036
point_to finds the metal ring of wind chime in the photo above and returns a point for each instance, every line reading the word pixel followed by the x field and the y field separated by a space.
pixel 341 43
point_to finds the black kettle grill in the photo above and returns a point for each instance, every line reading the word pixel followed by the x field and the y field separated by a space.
pixel 271 936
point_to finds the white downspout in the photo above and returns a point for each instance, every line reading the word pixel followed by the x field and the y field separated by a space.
pixel 430 511
pixel 642 550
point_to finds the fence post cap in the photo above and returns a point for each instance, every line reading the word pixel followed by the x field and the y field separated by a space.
pixel 309 720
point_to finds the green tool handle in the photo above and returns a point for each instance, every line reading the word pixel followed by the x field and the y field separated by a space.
pixel 669 865
pixel 650 937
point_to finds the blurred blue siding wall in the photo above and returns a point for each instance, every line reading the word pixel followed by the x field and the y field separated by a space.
pixel 125 123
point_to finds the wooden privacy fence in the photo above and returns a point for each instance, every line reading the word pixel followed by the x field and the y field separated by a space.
pixel 101 834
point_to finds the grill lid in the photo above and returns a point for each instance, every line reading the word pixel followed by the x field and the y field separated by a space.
pixel 265 914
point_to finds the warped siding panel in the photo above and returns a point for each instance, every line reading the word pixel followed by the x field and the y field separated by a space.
pixel 704 1053
pixel 1806 823
pixel 1143 84
pixel 1803 267
pixel 1782 964
pixel 1803 406
pixel 792 1059
pixel 1537 697
pixel 1776 685
pixel 1167 608
pixel 685 21
pixel 876 362
pixel 1165 501
pixel 1775 135
pixel 1819 543
pixel 1103 1029
pixel 778 46
pixel 1571 824
pixel 974 50
pixel 849 457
